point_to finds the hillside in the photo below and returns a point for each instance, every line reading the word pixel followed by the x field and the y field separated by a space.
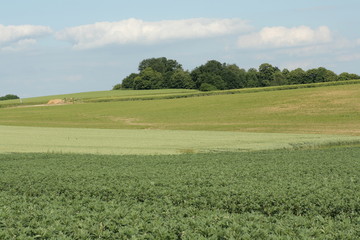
pixel 326 110
pixel 96 96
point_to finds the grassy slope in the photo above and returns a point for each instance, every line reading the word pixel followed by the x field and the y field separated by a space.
pixel 328 110
pixel 98 95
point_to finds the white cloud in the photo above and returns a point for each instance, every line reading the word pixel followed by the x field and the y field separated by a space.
pixel 306 51
pixel 349 57
pixel 19 45
pixel 138 31
pixel 10 34
pixel 282 37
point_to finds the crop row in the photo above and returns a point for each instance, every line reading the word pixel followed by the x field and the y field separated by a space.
pixel 280 194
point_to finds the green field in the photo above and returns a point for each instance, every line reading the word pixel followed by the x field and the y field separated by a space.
pixel 99 96
pixel 131 95
pixel 122 141
pixel 303 194
pixel 180 164
pixel 325 110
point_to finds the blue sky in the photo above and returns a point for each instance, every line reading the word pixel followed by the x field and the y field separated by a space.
pixel 62 46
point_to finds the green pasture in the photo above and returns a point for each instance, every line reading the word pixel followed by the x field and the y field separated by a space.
pixel 304 194
pixel 131 95
pixel 323 110
pixel 98 96
pixel 123 141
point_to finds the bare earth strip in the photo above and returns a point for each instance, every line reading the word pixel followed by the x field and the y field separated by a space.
pixel 124 141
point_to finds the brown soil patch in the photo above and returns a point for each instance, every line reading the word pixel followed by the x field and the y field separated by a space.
pixel 130 121
pixel 56 101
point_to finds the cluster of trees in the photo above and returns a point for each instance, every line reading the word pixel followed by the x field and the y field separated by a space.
pixel 158 73
pixel 8 97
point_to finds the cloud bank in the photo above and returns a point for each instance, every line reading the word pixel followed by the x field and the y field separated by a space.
pixel 21 34
pixel 141 32
pixel 279 37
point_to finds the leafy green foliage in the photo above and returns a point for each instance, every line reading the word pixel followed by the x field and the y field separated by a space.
pixel 209 73
pixel 348 76
pixel 266 74
pixel 297 76
pixel 181 79
pixel 206 87
pixel 234 77
pixel 148 79
pixel 279 79
pixel 229 76
pixel 117 86
pixel 156 73
pixel 320 75
pixel 128 82
pixel 257 195
pixel 9 97
pixel 161 65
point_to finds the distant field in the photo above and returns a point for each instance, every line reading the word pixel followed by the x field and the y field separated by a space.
pixel 324 110
pixel 118 141
pixel 305 194
pixel 130 95
pixel 99 95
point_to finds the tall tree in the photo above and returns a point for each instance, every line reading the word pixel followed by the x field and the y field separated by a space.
pixel 279 79
pixel 348 76
pixel 266 72
pixel 128 82
pixel 252 78
pixel 9 97
pixel 209 73
pixel 166 67
pixel 167 73
pixel 297 76
pixel 233 76
pixel 320 74
pixel 181 79
pixel 161 65
pixel 148 79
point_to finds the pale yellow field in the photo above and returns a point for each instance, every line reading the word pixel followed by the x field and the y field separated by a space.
pixel 121 141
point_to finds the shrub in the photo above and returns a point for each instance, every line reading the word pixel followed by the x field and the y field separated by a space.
pixel 117 87
pixel 8 97
pixel 205 87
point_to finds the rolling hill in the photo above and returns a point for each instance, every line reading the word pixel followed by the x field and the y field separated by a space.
pixel 323 110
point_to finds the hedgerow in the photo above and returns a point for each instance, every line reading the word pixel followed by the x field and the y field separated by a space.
pixel 224 92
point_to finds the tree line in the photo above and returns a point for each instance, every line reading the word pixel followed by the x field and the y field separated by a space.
pixel 161 73
pixel 8 97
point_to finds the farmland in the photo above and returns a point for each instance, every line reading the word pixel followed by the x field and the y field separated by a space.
pixel 181 164
pixel 322 110
pixel 140 142
pixel 99 95
pixel 303 194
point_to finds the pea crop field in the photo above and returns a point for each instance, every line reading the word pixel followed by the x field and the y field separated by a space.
pixel 179 164
pixel 277 194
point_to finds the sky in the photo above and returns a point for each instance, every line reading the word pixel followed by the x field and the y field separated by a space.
pixel 68 46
